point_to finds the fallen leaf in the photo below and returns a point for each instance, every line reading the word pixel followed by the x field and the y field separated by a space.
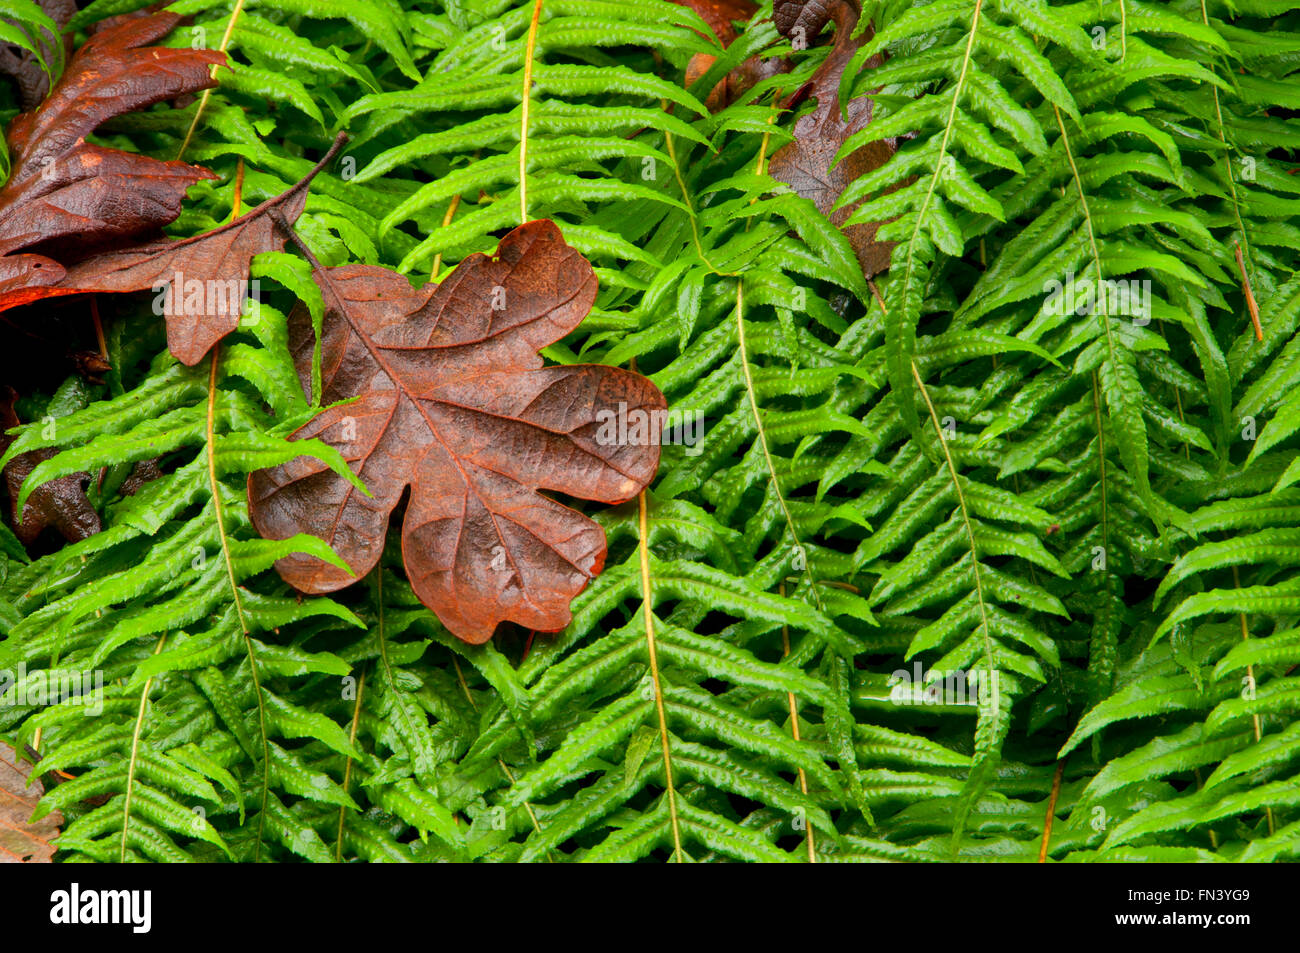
pixel 807 164
pixel 142 473
pixel 68 198
pixel 805 19
pixel 59 503
pixel 719 15
pixel 454 402
pixel 204 277
pixel 78 218
pixel 21 842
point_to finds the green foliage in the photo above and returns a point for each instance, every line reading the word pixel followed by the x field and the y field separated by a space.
pixel 1092 511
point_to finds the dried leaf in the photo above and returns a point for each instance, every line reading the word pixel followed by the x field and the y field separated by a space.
pixel 453 401
pixel 142 473
pixel 75 211
pixel 720 15
pixel 21 842
pixel 59 503
pixel 66 197
pixel 204 275
pixel 807 164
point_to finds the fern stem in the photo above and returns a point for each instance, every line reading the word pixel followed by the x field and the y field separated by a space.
pixel 505 768
pixel 239 603
pixel 1087 220
pixel 905 281
pixel 135 751
pixel 1101 465
pixel 686 198
pixel 1251 304
pixel 207 93
pixel 446 220
pixel 352 740
pixel 523 121
pixel 1227 165
pixel 762 441
pixel 794 733
pixel 1051 811
pixel 965 515
pixel 652 651
pixel 1250 674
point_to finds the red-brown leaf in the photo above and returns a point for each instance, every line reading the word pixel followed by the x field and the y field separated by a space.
pixel 77 218
pixel 720 15
pixel 66 197
pixel 21 842
pixel 32 82
pixel 61 503
pixel 454 401
pixel 807 164
pixel 221 255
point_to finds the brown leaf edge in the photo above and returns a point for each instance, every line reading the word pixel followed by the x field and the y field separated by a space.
pixel 204 256
pixel 20 841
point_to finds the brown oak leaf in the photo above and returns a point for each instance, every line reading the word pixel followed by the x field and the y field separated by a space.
pixel 21 842
pixel 720 15
pixel 203 279
pixel 807 164
pixel 77 218
pixel 60 503
pixel 66 197
pixel 453 401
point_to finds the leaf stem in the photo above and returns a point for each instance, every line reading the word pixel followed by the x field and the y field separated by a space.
pixel 1051 811
pixel 652 650
pixel 794 733
pixel 352 740
pixel 239 603
pixel 207 93
pixel 965 515
pixel 1250 674
pixel 523 121
pixel 762 442
pixel 135 751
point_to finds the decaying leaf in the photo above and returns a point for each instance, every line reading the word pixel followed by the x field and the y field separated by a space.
pixel 720 15
pixel 807 164
pixel 21 842
pixel 60 503
pixel 67 198
pixel 204 276
pixel 78 218
pixel 142 473
pixel 454 402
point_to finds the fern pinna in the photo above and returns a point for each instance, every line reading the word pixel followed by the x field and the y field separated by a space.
pixel 1048 457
